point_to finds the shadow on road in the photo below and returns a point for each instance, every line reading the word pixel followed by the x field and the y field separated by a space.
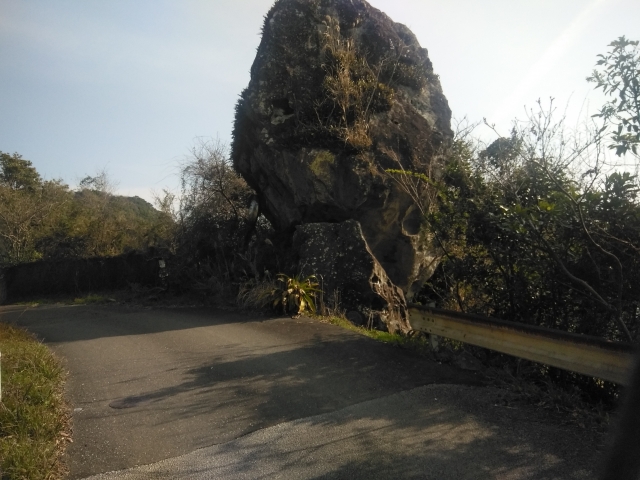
pixel 458 434
pixel 299 381
pixel 160 383
pixel 379 430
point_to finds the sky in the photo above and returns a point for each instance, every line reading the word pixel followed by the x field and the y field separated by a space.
pixel 130 87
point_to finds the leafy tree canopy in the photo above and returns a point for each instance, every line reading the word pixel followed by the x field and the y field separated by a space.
pixel 45 220
pixel 617 73
pixel 17 173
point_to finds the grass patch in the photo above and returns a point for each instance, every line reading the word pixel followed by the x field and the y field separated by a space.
pixel 91 299
pixel 256 294
pixel 417 344
pixel 88 299
pixel 34 419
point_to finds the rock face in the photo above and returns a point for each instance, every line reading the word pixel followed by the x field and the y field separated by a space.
pixel 338 255
pixel 339 95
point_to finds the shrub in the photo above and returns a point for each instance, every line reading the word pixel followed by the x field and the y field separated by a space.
pixel 294 295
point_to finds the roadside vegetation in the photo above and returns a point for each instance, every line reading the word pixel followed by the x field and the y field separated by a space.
pixel 540 225
pixel 91 298
pixel 34 419
pixel 567 405
pixel 46 220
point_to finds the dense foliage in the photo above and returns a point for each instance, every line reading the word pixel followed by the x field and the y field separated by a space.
pixel 44 219
pixel 543 226
pixel 216 225
pixel 528 237
pixel 617 73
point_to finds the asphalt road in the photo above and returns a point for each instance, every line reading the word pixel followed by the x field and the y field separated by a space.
pixel 198 393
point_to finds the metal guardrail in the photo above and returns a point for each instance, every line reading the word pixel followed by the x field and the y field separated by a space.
pixel 584 354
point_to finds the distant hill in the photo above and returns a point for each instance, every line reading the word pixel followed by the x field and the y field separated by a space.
pixel 135 206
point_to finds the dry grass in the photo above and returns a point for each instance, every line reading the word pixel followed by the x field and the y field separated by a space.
pixel 34 419
pixel 350 85
pixel 255 294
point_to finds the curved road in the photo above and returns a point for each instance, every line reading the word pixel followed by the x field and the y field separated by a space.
pixel 200 393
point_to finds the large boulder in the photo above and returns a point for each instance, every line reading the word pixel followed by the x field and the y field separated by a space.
pixel 349 275
pixel 340 95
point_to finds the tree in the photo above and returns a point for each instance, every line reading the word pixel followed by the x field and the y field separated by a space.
pixel 564 219
pixel 211 188
pixel 540 226
pixel 26 216
pixel 97 218
pixel 28 208
pixel 104 224
pixel 41 219
pixel 17 173
pixel 536 230
pixel 617 73
pixel 101 183
pixel 214 203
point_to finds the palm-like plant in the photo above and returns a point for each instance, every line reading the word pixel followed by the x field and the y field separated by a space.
pixel 294 294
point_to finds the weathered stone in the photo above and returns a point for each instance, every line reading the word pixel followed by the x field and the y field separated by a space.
pixel 310 160
pixel 338 255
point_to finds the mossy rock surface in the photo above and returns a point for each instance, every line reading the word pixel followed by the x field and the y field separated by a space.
pixel 339 94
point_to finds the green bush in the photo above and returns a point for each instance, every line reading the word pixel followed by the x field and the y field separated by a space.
pixel 294 295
